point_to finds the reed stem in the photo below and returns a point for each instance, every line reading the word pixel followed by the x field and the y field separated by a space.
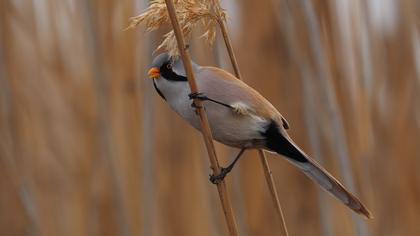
pixel 267 172
pixel 273 191
pixel 205 128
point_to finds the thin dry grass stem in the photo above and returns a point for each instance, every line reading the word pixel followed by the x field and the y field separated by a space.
pixel 285 20
pixel 229 48
pixel 191 13
pixel 267 172
pixel 205 128
pixel 273 191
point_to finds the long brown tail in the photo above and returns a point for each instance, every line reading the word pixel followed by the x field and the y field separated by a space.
pixel 318 174
pixel 283 145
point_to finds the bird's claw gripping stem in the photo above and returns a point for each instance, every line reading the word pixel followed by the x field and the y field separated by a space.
pixel 198 95
pixel 215 179
pixel 193 105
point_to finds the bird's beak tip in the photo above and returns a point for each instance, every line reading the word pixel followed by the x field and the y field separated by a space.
pixel 154 72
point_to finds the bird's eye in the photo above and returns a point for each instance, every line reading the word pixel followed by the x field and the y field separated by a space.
pixel 169 66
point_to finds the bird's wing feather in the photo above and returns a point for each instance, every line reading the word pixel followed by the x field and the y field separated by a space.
pixel 217 83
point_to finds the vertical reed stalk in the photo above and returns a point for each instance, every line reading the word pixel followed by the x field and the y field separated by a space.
pixel 273 191
pixel 285 19
pixel 229 48
pixel 267 172
pixel 205 128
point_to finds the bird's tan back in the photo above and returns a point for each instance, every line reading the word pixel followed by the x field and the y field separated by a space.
pixel 228 89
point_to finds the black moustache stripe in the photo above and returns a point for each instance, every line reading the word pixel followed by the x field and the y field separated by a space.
pixel 169 74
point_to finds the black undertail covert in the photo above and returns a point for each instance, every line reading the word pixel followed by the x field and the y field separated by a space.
pixel 275 141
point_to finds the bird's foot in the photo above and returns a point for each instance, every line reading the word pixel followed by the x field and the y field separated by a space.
pixel 215 179
pixel 198 95
pixel 195 107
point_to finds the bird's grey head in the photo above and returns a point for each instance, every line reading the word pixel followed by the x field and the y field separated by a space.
pixel 169 77
pixel 163 66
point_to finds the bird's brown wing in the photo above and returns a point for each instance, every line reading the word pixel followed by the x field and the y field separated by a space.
pixel 217 83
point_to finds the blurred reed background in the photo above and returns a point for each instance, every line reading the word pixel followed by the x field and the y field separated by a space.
pixel 88 148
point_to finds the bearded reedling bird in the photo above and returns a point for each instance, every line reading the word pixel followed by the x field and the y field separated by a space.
pixel 239 117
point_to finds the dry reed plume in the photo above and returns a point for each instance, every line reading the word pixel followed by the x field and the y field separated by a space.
pixel 191 14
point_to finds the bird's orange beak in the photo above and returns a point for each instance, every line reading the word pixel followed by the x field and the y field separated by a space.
pixel 154 72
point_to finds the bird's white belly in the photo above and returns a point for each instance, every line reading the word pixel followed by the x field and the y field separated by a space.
pixel 227 126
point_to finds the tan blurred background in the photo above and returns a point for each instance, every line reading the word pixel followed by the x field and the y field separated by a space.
pixel 88 148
